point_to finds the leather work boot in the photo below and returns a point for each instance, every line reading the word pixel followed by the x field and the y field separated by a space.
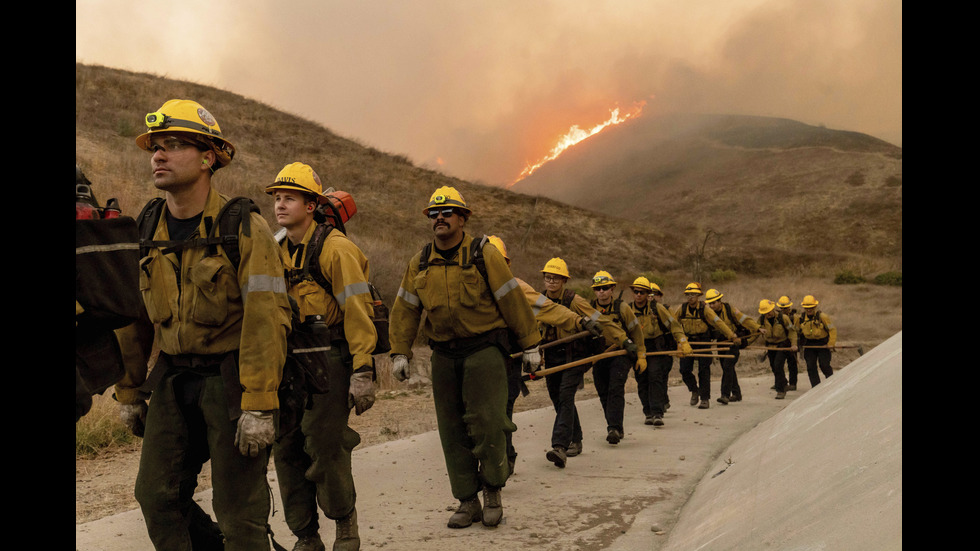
pixel 704 404
pixel 347 537
pixel 557 456
pixel 735 397
pixel 658 420
pixel 574 449
pixel 791 387
pixel 469 511
pixel 614 436
pixel 695 398
pixel 723 400
pixel 309 543
pixel 493 511
pixel 648 420
pixel 780 395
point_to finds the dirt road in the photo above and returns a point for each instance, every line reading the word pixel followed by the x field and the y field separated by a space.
pixel 626 496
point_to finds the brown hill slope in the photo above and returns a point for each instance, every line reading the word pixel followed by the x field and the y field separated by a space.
pixel 390 192
pixel 759 183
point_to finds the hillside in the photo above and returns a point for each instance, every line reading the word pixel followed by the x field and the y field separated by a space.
pixel 759 183
pixel 389 190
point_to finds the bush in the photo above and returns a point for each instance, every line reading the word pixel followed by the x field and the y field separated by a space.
pixel 889 278
pixel 721 276
pixel 845 277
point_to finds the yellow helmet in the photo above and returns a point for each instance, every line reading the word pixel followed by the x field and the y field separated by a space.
pixel 766 306
pixel 642 284
pixel 556 266
pixel 693 289
pixel 297 177
pixel 784 302
pixel 188 117
pixel 809 302
pixel 655 288
pixel 712 295
pixel 499 243
pixel 602 278
pixel 445 197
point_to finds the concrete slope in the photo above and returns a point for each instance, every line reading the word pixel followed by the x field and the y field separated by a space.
pixel 823 474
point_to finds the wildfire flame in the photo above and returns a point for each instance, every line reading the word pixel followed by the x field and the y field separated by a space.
pixel 576 135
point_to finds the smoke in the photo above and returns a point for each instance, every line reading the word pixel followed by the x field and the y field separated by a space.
pixel 486 87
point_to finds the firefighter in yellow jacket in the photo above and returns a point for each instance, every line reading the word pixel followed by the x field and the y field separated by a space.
pixel 699 323
pixel 546 312
pixel 734 320
pixel 221 329
pixel 472 322
pixel 819 336
pixel 661 333
pixel 779 333
pixel 610 374
pixel 327 276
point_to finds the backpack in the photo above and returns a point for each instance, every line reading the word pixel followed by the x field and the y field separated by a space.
pixel 740 331
pixel 670 343
pixel 311 270
pixel 233 214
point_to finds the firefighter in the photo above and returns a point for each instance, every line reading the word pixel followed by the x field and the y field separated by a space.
pixel 221 328
pixel 476 314
pixel 739 324
pixel 785 306
pixel 566 431
pixel 610 374
pixel 819 337
pixel 313 453
pixel 778 331
pixel 698 323
pixel 661 333
pixel 545 312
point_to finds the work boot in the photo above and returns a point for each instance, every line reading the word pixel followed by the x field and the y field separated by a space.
pixel 791 387
pixel 574 449
pixel 614 436
pixel 723 400
pixel 658 420
pixel 695 398
pixel 469 511
pixel 735 397
pixel 557 456
pixel 347 537
pixel 309 543
pixel 649 420
pixel 493 511
pixel 780 395
pixel 704 404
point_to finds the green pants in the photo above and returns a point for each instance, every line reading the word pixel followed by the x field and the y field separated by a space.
pixel 313 461
pixel 470 395
pixel 188 424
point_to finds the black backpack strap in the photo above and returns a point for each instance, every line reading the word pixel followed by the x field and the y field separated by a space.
pixel 146 223
pixel 424 257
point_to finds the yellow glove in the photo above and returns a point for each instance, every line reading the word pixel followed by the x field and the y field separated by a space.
pixel 641 366
pixel 686 349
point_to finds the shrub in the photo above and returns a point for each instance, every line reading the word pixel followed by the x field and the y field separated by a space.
pixel 889 278
pixel 721 276
pixel 845 277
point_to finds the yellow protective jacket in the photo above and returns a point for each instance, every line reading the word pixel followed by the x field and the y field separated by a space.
pixel 580 306
pixel 623 324
pixel 650 325
pixel 213 307
pixel 549 312
pixel 698 320
pixel 817 326
pixel 458 301
pixel 777 332
pixel 738 318
pixel 345 267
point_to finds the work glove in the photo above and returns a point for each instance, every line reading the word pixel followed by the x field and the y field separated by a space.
pixel 631 350
pixel 361 396
pixel 592 326
pixel 531 360
pixel 133 417
pixel 640 367
pixel 256 430
pixel 686 349
pixel 399 367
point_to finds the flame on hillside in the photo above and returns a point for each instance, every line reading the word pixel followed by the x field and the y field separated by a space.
pixel 576 135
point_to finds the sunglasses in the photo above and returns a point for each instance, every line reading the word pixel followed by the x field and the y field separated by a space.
pixel 604 288
pixel 446 213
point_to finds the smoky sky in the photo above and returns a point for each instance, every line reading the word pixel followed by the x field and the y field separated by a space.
pixel 478 89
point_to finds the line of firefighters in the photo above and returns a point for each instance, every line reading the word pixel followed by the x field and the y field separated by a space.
pixel 233 386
